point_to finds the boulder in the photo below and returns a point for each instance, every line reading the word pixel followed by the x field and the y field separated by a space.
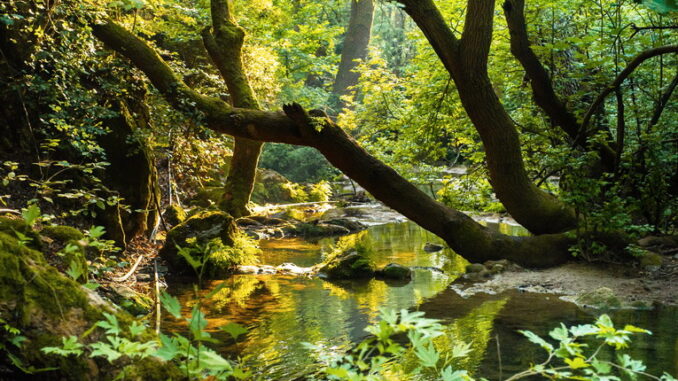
pixel 350 224
pixel 174 215
pixel 475 268
pixel 395 271
pixel 131 301
pixel 650 260
pixel 17 227
pixel 62 234
pixel 200 228
pixel 350 265
pixel 432 247
pixel 603 298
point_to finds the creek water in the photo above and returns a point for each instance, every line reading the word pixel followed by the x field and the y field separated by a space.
pixel 283 312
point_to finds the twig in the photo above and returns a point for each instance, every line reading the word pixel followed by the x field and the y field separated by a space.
pixel 501 375
pixel 157 297
pixel 131 271
pixel 12 211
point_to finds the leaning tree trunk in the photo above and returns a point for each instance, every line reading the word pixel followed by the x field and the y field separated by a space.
pixel 470 239
pixel 354 48
pixel 224 45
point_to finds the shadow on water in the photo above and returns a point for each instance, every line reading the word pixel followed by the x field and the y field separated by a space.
pixel 283 312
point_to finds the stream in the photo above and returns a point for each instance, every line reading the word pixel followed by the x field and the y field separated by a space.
pixel 283 312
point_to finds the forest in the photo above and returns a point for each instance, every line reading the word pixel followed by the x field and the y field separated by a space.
pixel 354 190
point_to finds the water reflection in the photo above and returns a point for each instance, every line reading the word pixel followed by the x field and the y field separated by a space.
pixel 283 312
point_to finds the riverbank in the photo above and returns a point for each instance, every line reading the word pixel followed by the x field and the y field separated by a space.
pixel 632 286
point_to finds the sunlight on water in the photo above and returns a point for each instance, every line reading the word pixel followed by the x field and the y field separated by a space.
pixel 282 312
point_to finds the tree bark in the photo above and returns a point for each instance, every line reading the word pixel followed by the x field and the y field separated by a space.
pixel 466 61
pixel 354 48
pixel 224 45
pixel 467 237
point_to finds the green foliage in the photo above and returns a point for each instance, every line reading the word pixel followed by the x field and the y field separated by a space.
pixel 213 258
pixel 299 164
pixel 380 357
pixel 135 342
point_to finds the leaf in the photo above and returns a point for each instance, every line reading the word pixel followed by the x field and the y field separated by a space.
pixel 234 329
pixel 560 333
pixel 30 214
pixel 577 363
pixel 241 374
pixel 171 304
pixel 449 374
pixel 532 337
pixel 429 356
pixel 214 362
pixel 634 329
pixel 601 367
pixel 136 329
pixel 110 324
pixel 105 350
pixel 96 232
pixel 169 349
pixel 75 270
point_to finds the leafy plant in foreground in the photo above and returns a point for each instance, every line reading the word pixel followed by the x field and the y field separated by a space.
pixel 572 357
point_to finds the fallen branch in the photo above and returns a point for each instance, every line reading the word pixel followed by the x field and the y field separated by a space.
pixel 130 272
pixel 157 297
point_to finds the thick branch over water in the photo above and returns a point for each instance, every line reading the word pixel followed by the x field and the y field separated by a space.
pixel 295 126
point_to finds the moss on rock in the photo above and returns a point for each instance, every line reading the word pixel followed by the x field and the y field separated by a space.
pixel 174 215
pixel 11 226
pixel 62 233
pixel 351 265
pixel 602 297
pixel 395 271
pixel 198 230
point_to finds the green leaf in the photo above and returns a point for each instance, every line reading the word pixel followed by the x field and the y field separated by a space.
pixel 110 324
pixel 577 363
pixel 30 214
pixel 214 362
pixel 560 333
pixel 136 328
pixel 101 349
pixel 75 270
pixel 234 329
pixel 532 337
pixel 428 356
pixel 601 366
pixel 171 304
pixel 169 349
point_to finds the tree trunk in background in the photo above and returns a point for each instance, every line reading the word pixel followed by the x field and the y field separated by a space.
pixel 224 45
pixel 131 171
pixel 466 61
pixel 354 48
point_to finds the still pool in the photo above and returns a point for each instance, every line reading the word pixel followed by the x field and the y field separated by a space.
pixel 283 312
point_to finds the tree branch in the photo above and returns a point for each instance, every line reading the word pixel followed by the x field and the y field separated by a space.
pixel 628 70
pixel 540 81
pixel 465 236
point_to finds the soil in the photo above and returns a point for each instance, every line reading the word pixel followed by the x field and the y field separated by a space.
pixel 632 286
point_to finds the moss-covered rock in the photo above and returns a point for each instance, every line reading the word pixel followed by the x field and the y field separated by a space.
pixel 45 305
pixel 62 233
pixel 602 297
pixel 310 230
pixel 350 265
pixel 198 230
pixel 133 302
pixel 174 215
pixel 272 187
pixel 395 271
pixel 650 260
pixel 13 225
